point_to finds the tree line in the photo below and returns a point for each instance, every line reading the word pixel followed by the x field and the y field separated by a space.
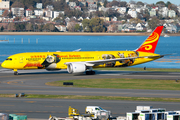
pixel 19 27
pixel 88 25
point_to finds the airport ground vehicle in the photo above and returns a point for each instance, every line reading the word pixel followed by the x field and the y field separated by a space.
pixel 97 111
pixel 91 112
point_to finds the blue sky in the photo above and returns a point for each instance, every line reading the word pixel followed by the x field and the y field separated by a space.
pixel 176 2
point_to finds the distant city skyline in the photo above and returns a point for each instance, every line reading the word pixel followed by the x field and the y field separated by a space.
pixel 176 2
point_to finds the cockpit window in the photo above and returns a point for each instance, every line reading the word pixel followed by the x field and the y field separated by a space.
pixel 9 59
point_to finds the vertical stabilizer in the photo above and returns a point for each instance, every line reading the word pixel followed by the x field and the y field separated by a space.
pixel 150 43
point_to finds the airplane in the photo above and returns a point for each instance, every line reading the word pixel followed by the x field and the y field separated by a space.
pixel 77 62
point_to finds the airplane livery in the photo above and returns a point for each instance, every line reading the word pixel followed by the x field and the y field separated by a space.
pixel 84 61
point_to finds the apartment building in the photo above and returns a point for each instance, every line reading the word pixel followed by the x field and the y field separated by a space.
pixel 18 12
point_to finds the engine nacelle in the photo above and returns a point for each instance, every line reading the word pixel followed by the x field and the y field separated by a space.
pixel 76 68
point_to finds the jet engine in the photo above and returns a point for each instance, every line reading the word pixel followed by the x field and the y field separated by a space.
pixel 76 68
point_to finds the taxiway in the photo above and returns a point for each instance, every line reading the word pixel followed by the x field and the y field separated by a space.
pixel 33 82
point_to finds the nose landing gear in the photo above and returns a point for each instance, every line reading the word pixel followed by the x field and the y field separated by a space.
pixel 15 72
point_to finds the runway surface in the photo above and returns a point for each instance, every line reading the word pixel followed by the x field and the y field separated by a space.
pixel 33 82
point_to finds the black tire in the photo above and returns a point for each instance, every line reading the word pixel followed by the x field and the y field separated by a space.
pixel 15 73
pixel 90 72
pixel 87 72
pixel 93 73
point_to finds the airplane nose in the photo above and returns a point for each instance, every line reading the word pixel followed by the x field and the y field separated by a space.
pixel 3 65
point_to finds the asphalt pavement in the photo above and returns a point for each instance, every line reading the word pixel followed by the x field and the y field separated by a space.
pixel 33 82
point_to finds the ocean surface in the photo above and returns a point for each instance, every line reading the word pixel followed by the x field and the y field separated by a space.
pixel 44 43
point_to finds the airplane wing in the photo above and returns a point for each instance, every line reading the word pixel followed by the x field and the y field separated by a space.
pixel 156 56
pixel 101 62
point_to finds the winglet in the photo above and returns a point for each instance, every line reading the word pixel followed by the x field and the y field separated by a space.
pixel 150 43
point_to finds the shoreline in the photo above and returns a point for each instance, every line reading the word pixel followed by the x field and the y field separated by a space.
pixel 82 34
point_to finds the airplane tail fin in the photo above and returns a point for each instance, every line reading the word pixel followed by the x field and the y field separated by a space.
pixel 149 45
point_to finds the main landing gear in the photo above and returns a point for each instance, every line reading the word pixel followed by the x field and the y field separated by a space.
pixel 15 72
pixel 90 72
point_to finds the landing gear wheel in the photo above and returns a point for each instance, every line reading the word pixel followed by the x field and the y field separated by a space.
pixel 90 72
pixel 15 73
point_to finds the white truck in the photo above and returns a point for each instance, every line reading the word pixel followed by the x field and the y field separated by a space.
pixel 98 112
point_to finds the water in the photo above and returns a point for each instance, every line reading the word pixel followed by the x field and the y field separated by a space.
pixel 90 43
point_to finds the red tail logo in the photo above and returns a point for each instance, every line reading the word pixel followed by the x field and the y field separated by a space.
pixel 151 42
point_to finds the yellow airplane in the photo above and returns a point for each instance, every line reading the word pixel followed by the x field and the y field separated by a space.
pixel 79 61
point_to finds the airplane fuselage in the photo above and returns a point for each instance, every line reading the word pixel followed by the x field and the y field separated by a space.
pixel 57 60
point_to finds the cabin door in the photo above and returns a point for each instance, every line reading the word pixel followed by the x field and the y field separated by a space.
pixel 20 59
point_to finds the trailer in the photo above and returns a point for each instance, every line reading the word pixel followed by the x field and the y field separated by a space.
pixel 168 113
pixel 132 115
pixel 159 116
pixel 146 116
pixel 173 117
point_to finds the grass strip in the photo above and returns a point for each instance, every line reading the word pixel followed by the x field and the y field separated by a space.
pixel 121 83
pixel 140 69
pixel 95 97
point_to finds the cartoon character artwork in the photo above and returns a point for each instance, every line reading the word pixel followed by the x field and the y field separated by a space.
pixel 109 56
pixel 121 55
pixel 130 55
pixel 51 60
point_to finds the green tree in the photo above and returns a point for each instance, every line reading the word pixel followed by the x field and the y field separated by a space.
pixel 140 3
pixel 18 4
pixel 77 28
pixel 60 5
pixel 2 29
pixel 47 2
pixel 146 15
pixel 86 26
pixel 168 3
pixel 153 23
pixel 40 28
pixel 114 3
pixel 105 3
pixel 17 27
pixel 20 26
pixel 48 27
pixel 98 5
pixel 99 14
pixel 10 15
pixel 160 3
pixel 97 25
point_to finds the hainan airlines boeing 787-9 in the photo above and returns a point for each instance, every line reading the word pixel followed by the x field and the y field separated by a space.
pixel 85 61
